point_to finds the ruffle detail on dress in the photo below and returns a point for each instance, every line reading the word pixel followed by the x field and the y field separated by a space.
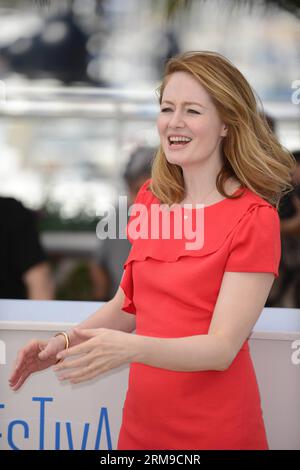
pixel 172 250
pixel 127 286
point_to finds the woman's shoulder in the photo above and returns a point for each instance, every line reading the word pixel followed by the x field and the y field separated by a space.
pixel 253 202
pixel 146 185
pixel 251 213
pixel 144 194
pixel 246 198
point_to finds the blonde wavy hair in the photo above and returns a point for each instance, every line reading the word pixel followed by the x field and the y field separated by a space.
pixel 250 151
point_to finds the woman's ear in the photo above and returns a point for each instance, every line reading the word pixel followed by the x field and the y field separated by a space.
pixel 224 130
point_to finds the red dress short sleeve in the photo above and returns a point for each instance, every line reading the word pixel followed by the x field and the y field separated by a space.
pixel 256 245
pixel 127 282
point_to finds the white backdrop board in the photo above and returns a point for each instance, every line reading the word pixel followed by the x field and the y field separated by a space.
pixel 48 414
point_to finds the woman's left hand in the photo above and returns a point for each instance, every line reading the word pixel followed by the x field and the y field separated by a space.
pixel 104 349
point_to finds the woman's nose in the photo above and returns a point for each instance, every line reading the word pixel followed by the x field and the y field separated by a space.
pixel 176 119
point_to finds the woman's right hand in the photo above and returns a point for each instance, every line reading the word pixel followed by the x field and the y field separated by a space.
pixel 35 356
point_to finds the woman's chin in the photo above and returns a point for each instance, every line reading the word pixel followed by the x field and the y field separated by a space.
pixel 173 160
pixel 174 157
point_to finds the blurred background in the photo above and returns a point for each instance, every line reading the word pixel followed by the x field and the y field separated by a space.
pixel 77 99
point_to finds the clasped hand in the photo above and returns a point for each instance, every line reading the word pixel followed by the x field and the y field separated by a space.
pixel 102 350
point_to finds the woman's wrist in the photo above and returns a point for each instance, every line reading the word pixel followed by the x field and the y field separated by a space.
pixel 72 337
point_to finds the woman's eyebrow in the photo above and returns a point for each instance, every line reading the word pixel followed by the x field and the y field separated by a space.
pixel 185 102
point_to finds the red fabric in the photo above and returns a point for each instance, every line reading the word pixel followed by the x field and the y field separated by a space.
pixel 173 292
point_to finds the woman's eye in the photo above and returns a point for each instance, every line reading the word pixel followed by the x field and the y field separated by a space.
pixel 166 110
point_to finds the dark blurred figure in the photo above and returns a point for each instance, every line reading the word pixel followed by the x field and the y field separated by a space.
pixel 24 271
pixel 289 270
pixel 59 51
pixel 107 269
pixel 167 47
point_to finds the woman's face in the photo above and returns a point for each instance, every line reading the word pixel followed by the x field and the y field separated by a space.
pixel 188 111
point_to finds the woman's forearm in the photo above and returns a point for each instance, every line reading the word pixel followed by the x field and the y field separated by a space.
pixel 193 353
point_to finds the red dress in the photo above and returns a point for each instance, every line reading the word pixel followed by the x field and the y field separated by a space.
pixel 173 292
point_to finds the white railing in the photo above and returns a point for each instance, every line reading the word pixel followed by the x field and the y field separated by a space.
pixel 274 346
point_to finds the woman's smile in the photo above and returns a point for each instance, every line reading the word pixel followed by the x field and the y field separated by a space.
pixel 178 142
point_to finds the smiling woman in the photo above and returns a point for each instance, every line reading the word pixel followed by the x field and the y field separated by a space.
pixel 192 384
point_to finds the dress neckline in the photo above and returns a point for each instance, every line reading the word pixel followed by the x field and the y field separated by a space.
pixel 215 203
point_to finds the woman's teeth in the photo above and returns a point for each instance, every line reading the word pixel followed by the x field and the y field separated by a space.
pixel 179 140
